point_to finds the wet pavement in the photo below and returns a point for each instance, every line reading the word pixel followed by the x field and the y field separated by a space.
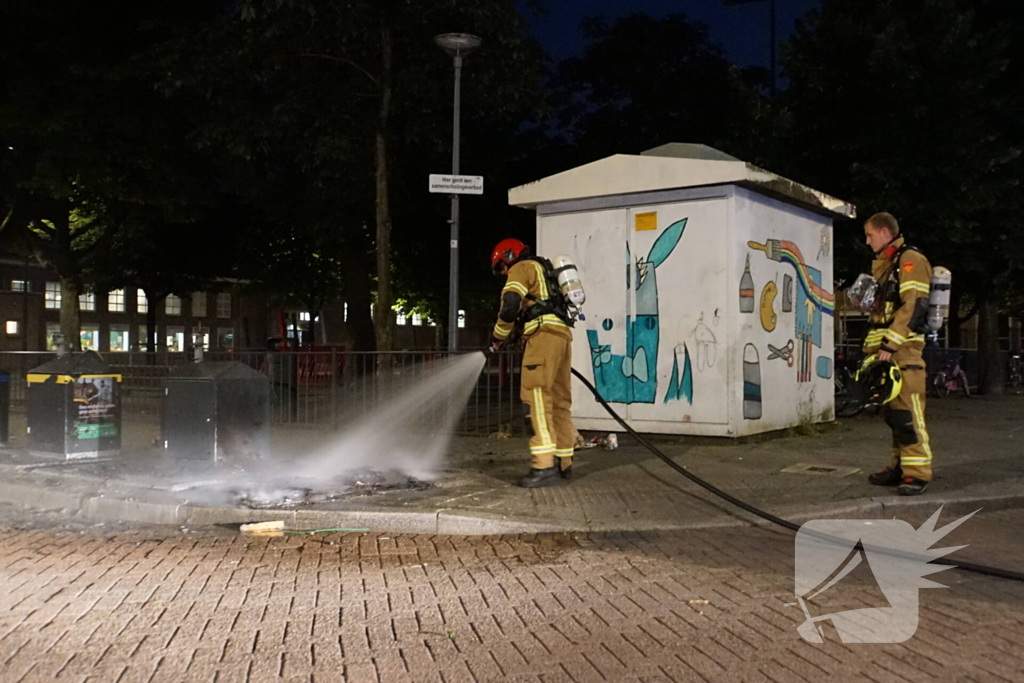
pixel 820 472
pixel 109 601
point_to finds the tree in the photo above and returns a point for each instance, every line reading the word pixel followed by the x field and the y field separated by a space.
pixel 897 106
pixel 330 99
pixel 91 148
pixel 643 82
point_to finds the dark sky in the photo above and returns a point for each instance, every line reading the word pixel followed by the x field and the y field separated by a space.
pixel 742 30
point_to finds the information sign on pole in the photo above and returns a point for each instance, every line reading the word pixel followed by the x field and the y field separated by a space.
pixel 456 184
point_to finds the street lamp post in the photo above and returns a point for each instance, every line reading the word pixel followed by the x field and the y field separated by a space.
pixel 771 30
pixel 457 45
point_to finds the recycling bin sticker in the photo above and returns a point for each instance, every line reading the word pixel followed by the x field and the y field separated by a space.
pixel 95 400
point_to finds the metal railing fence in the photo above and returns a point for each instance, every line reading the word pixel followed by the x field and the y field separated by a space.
pixel 324 388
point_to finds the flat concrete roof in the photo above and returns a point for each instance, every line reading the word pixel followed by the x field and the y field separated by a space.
pixel 669 167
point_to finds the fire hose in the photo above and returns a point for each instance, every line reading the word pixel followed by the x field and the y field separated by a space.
pixel 966 566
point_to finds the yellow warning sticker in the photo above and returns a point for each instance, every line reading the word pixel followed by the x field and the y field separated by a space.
pixel 646 221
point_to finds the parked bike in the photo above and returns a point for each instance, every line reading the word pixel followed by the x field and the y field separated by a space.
pixel 951 378
pixel 849 401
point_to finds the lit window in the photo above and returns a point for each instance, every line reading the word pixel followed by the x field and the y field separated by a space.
pixel 176 339
pixel 119 338
pixel 344 312
pixel 13 327
pixel 52 295
pixel 224 305
pixel 225 337
pixel 141 302
pixel 198 304
pixel 52 332
pixel 432 323
pixel 19 286
pixel 400 318
pixel 304 317
pixel 462 318
pixel 115 301
pixel 143 338
pixel 172 305
pixel 87 302
pixel 417 319
pixel 89 337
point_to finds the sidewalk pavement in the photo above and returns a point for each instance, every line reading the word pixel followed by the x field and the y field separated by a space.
pixel 979 463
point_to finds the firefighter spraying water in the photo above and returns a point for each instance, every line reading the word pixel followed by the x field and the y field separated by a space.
pixel 540 303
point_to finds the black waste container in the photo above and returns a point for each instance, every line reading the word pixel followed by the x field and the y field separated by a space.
pixel 5 406
pixel 216 410
pixel 74 407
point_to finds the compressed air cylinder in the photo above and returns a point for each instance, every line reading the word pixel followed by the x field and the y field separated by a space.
pixel 938 299
pixel 569 280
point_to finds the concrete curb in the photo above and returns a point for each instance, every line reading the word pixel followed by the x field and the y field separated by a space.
pixel 398 520
pixel 450 521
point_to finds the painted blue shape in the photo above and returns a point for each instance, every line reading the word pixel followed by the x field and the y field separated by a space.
pixel 636 367
pixel 824 367
pixel 686 390
pixel 632 377
pixel 680 386
pixel 807 313
pixel 666 242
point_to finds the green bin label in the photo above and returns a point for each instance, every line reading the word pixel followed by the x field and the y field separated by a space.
pixel 95 431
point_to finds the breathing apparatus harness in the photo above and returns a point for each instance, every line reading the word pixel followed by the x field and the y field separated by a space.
pixel 565 296
pixel 872 296
pixel 555 304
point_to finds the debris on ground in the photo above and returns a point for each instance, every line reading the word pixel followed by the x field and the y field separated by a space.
pixel 262 527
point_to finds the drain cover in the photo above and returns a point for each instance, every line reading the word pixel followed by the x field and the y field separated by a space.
pixel 821 470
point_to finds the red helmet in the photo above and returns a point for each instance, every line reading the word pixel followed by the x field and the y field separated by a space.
pixel 508 252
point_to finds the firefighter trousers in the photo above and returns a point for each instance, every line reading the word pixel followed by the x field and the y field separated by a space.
pixel 547 393
pixel 911 449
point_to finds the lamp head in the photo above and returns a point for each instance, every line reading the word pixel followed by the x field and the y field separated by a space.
pixel 458 43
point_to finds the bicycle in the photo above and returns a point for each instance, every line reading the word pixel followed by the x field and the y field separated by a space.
pixel 849 400
pixel 951 378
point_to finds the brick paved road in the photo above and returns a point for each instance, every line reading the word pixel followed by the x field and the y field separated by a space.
pixel 87 604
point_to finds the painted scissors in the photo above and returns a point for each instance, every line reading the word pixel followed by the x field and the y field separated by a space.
pixel 785 353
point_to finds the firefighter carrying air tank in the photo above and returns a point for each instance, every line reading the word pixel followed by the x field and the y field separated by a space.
pixel 539 305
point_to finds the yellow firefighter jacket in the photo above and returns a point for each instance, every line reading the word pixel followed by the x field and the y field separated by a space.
pixel 904 281
pixel 527 278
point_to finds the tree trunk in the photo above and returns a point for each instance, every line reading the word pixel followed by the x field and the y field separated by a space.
pixel 991 378
pixel 358 299
pixel 70 318
pixel 383 318
pixel 150 325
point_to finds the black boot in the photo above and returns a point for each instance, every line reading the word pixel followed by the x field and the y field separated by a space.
pixel 911 486
pixel 887 477
pixel 566 473
pixel 545 477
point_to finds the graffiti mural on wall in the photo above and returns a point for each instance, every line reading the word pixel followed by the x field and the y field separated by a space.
pixel 706 342
pixel 680 385
pixel 751 383
pixel 768 317
pixel 633 377
pixel 812 301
